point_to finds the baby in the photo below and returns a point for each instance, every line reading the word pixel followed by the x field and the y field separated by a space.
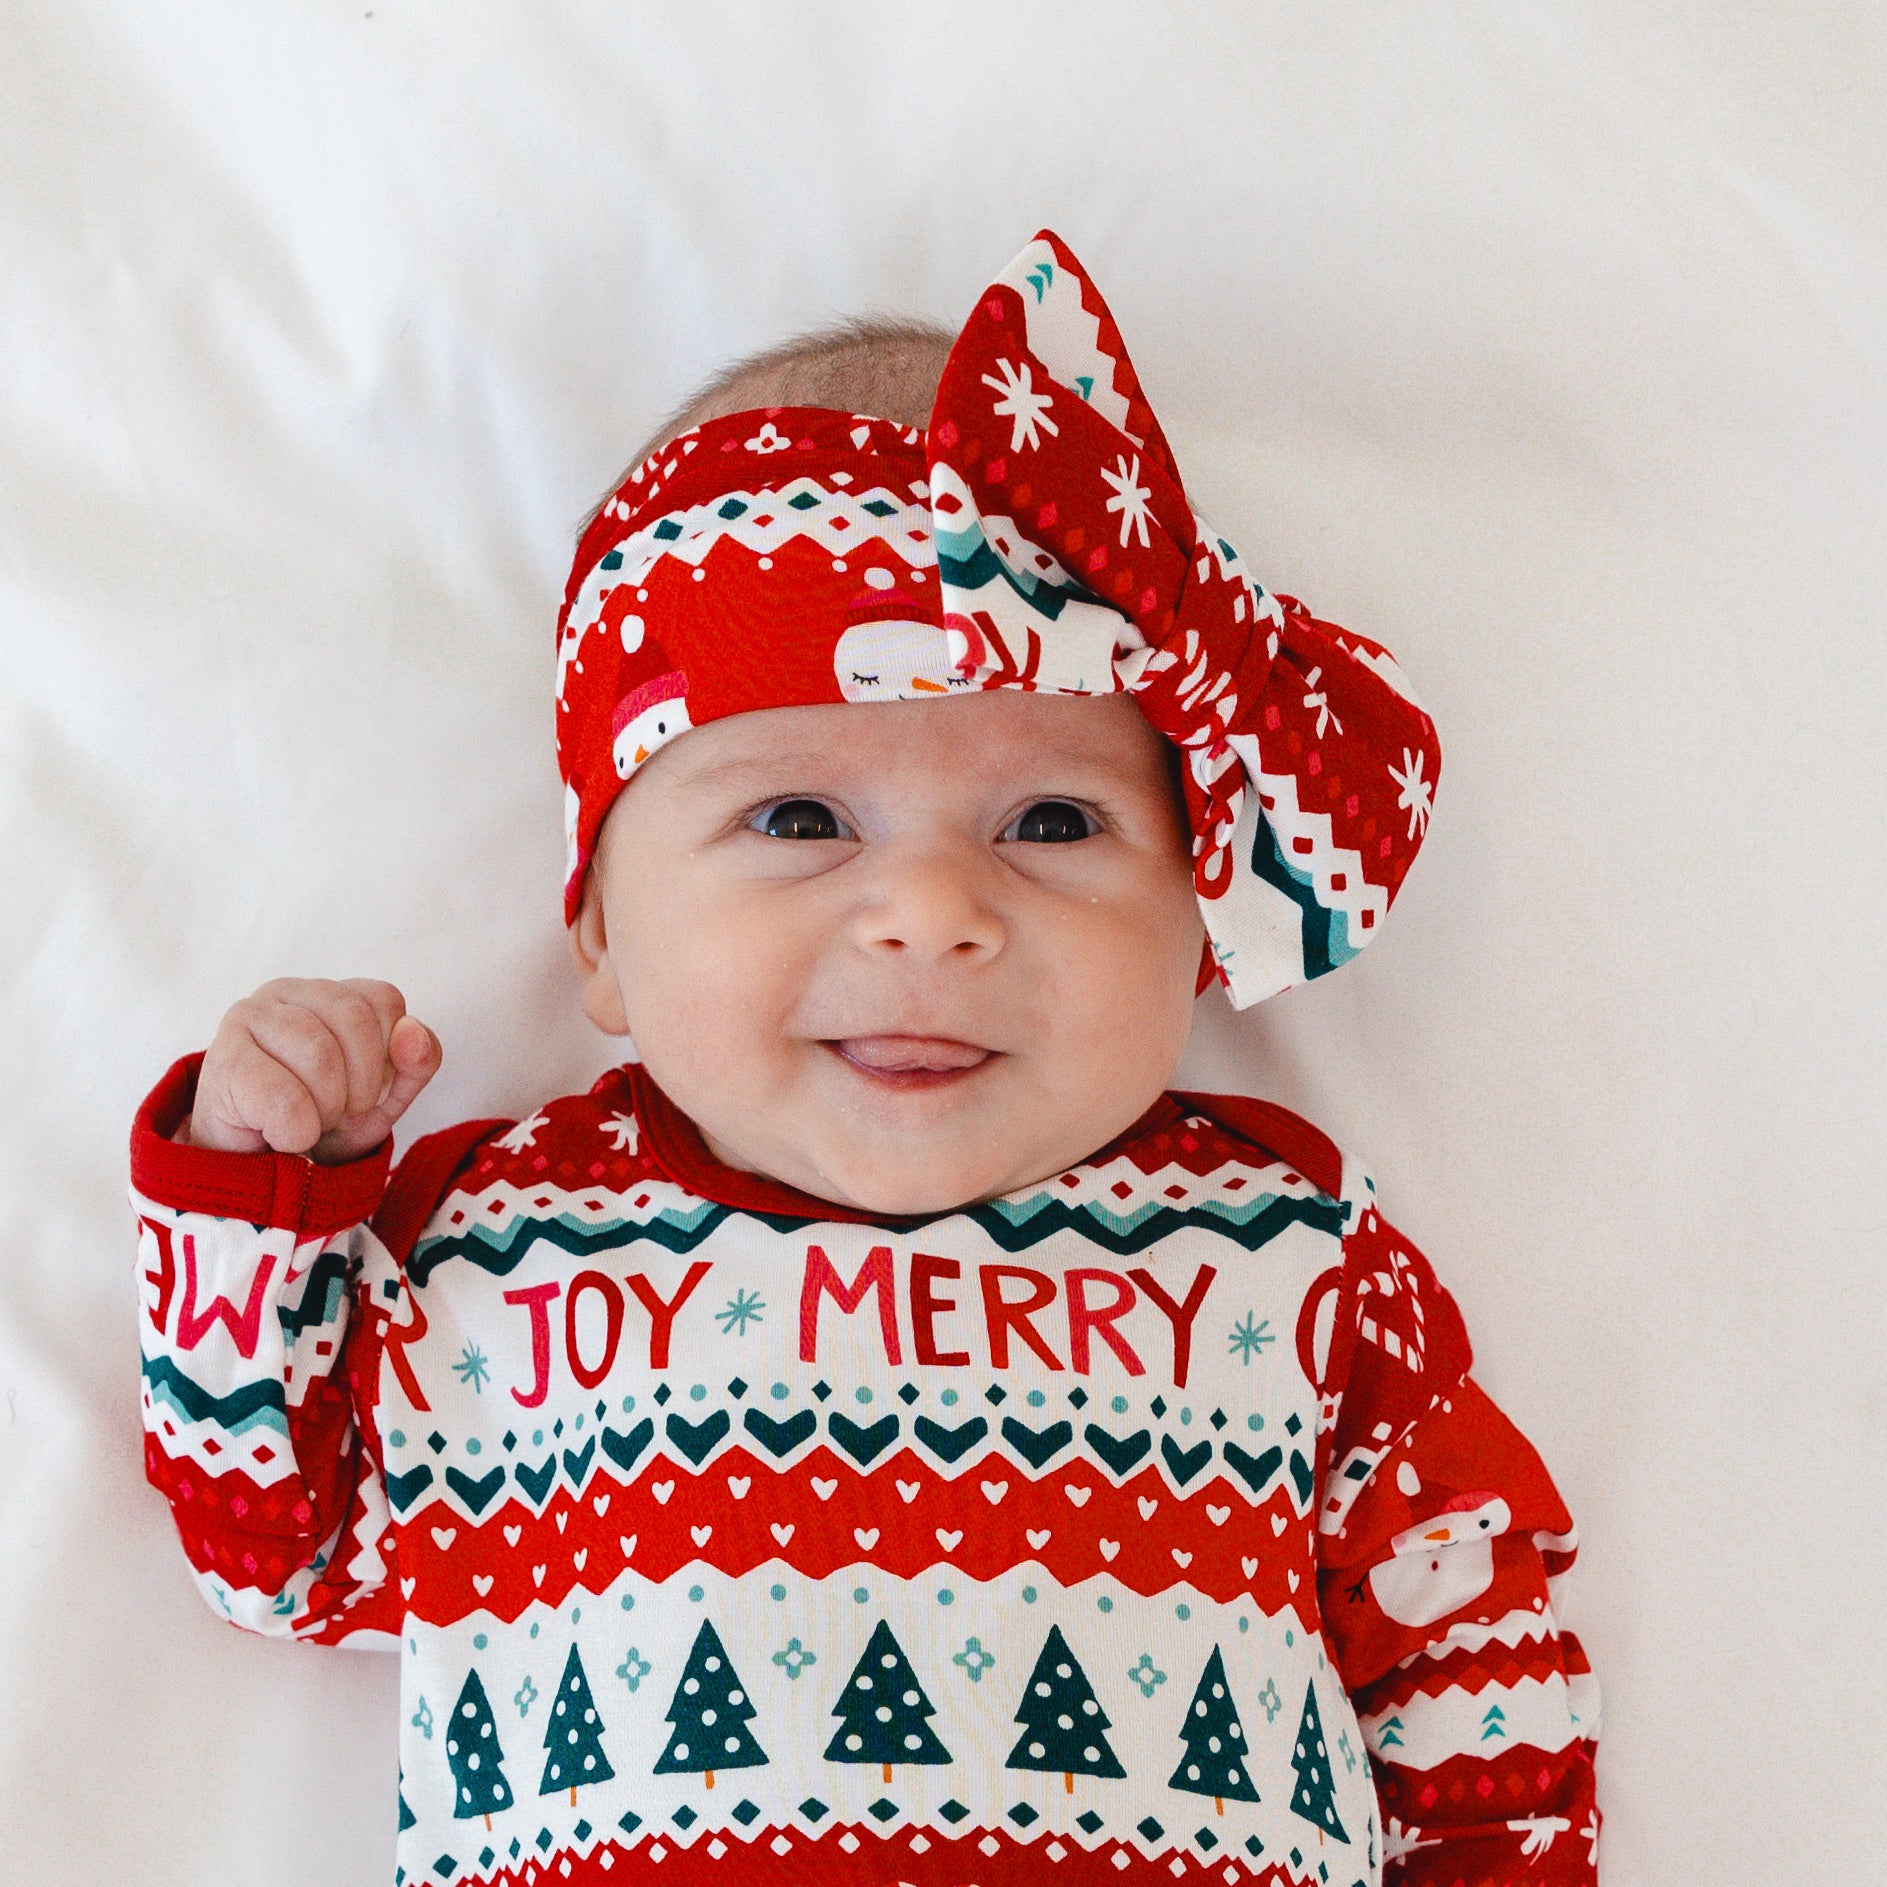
pixel 880 1434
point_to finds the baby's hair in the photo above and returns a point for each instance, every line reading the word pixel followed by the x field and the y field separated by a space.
pixel 885 365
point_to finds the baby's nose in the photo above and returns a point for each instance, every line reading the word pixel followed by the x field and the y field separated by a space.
pixel 932 904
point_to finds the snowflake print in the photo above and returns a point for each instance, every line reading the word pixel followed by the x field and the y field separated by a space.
pixel 1316 698
pixel 422 1719
pixel 1024 408
pixel 743 1308
pixel 1591 1832
pixel 1252 1337
pixel 1270 1699
pixel 1417 794
pixel 768 439
pixel 473 1368
pixel 975 1660
pixel 634 1668
pixel 1145 1675
pixel 526 1697
pixel 523 1135
pixel 1345 1751
pixel 1130 497
pixel 794 1658
pixel 1399 1840
pixel 621 1129
pixel 1541 1831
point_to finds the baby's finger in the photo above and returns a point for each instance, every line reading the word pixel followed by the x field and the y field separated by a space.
pixel 253 1102
pixel 302 1042
pixel 415 1053
pixel 361 1018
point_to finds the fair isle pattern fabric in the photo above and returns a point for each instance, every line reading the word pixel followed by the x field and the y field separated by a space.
pixel 1141 1525
pixel 1036 537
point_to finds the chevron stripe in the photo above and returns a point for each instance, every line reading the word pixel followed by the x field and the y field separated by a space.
pixel 254 1405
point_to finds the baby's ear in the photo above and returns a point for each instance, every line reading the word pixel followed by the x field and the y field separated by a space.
pixel 596 974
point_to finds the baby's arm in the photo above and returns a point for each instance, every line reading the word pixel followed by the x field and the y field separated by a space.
pixel 265 1297
pixel 1444 1550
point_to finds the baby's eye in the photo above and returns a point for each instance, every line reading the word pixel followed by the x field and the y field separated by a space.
pixel 800 819
pixel 1051 822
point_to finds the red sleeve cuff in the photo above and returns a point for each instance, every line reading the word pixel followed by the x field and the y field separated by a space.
pixel 279 1189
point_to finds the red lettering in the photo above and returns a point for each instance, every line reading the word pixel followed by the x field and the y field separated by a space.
pixel 393 1347
pixel 612 1335
pixel 164 1277
pixel 1003 1315
pixel 244 1326
pixel 662 1315
pixel 1180 1316
pixel 875 1274
pixel 1085 1319
pixel 925 1305
pixel 537 1301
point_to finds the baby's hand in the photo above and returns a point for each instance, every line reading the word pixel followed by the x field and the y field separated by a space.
pixel 312 1067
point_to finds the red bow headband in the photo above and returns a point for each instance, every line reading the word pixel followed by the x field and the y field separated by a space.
pixel 1038 537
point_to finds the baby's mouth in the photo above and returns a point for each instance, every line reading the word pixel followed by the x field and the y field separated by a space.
pixel 910 1060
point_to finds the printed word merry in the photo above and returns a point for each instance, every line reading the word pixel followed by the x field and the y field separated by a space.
pixel 1095 1303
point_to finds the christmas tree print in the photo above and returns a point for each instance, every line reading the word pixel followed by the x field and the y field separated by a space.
pixel 710 1712
pixel 1314 1798
pixel 574 1735
pixel 1214 1762
pixel 882 1711
pixel 473 1754
pixel 1063 1722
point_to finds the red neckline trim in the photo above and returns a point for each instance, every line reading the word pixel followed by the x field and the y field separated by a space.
pixel 678 1147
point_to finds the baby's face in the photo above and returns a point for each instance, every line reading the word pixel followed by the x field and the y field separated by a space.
pixel 901 955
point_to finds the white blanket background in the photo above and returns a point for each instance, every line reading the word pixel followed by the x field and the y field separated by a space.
pixel 1545 343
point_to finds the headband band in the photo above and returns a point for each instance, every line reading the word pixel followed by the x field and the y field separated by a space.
pixel 1037 537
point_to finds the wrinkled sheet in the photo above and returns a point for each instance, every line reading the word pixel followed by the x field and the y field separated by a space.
pixel 1544 343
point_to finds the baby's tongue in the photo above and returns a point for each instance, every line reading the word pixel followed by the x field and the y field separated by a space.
pixel 907 1054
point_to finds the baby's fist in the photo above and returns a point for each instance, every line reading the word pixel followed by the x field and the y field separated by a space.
pixel 312 1067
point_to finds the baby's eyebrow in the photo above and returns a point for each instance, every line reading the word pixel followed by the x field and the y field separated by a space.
pixel 754 766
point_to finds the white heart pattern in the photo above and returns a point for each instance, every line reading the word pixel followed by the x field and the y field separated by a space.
pixel 782 1531
pixel 406 1588
pixel 908 1491
pixel 993 1491
pixel 1109 1548
pixel 1250 1567
pixel 701 1535
pixel 1218 1515
pixel 1181 1560
pixel 867 1538
pixel 1038 1538
pixel 949 1541
pixel 1076 1492
pixel 513 1535
pixel 481 1583
pixel 1292 1577
pixel 579 1556
pixel 601 1504
pixel 824 1489
pixel 627 1541
pixel 442 1537
pixel 563 1520
pixel 738 1484
pixel 661 1490
pixel 1278 1523
pixel 537 1574
pixel 1148 1506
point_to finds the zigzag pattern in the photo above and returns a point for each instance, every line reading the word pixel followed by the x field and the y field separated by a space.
pixel 848 1855
pixel 1013 1225
pixel 745 1515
